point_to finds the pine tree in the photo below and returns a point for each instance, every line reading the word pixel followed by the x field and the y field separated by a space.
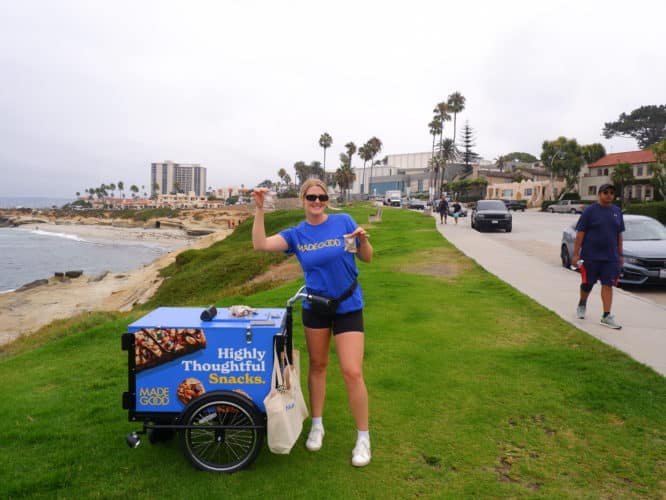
pixel 469 156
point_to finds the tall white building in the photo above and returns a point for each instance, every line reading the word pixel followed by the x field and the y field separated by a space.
pixel 169 177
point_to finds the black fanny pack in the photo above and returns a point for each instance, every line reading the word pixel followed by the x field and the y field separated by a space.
pixel 328 305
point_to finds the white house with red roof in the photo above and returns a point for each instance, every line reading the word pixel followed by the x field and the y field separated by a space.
pixel 599 172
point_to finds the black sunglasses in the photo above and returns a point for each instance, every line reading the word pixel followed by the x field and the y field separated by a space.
pixel 313 197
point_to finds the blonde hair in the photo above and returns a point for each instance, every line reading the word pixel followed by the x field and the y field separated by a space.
pixel 310 183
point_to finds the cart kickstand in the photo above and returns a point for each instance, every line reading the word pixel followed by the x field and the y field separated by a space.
pixel 133 440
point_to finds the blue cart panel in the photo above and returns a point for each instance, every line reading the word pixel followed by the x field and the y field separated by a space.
pixel 174 357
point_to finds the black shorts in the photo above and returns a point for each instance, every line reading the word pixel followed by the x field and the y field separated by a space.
pixel 339 323
pixel 607 272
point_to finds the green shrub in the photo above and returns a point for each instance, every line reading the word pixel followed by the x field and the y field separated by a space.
pixel 149 213
pixel 655 209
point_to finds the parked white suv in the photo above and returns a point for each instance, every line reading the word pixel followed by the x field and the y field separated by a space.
pixel 567 206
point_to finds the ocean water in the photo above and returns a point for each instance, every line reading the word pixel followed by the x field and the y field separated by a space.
pixel 27 255
pixel 33 202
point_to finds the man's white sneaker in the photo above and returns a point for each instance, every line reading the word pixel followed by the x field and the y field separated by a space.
pixel 609 321
pixel 361 453
pixel 315 439
pixel 580 312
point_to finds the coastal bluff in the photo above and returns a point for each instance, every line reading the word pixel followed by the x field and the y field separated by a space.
pixel 193 222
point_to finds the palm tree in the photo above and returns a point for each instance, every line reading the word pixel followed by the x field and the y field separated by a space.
pixel 282 174
pixel 365 152
pixel 456 103
pixel 121 188
pixel 442 115
pixel 345 177
pixel 325 141
pixel 351 151
pixel 315 169
pixel 435 127
pixel 658 170
pixel 623 175
pixel 375 148
pixel 135 190
pixel 499 163
pixel 302 171
pixel 434 165
pixel 447 153
pixel 658 179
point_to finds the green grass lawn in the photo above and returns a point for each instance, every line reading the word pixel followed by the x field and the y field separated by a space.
pixel 475 391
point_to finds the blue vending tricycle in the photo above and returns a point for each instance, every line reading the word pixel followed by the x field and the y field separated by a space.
pixel 205 379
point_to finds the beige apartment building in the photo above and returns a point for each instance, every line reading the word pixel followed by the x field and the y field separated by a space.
pixel 168 177
pixel 599 172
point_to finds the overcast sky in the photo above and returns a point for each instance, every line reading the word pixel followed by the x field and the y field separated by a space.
pixel 93 91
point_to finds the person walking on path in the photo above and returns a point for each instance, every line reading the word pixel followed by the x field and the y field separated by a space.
pixel 329 268
pixel 599 245
pixel 456 211
pixel 443 209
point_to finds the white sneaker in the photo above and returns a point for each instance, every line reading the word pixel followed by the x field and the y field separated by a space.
pixel 361 453
pixel 609 321
pixel 315 439
pixel 580 312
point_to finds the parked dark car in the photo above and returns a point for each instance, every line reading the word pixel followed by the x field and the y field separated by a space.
pixel 491 214
pixel 644 248
pixel 514 205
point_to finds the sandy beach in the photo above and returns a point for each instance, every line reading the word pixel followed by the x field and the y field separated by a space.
pixel 23 312
pixel 166 237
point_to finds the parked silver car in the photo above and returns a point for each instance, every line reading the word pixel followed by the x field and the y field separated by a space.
pixel 567 207
pixel 644 242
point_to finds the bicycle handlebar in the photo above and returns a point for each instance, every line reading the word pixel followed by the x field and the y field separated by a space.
pixel 300 294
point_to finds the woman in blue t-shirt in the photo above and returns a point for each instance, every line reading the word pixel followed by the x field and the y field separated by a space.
pixel 329 267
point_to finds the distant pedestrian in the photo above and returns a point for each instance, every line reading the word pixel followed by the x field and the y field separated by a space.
pixel 443 209
pixel 456 211
pixel 599 245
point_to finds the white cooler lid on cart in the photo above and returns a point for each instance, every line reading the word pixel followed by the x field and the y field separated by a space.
pixel 189 317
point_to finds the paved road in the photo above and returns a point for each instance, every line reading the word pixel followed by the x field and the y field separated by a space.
pixel 540 234
pixel 528 259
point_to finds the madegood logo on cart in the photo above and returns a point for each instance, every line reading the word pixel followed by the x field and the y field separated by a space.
pixel 154 396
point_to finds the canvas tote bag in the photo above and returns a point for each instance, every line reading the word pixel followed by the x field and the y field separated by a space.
pixel 285 406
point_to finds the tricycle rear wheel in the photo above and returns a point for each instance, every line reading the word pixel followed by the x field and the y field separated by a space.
pixel 229 433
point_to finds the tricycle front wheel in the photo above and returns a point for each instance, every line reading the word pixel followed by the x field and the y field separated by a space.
pixel 228 433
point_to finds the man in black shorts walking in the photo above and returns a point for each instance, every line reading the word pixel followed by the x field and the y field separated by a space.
pixel 443 209
pixel 599 245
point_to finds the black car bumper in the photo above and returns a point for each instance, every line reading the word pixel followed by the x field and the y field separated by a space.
pixel 637 275
pixel 492 224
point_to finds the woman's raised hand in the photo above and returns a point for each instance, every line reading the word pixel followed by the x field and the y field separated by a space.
pixel 258 194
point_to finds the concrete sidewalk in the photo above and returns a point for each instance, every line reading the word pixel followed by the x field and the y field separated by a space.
pixel 643 333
